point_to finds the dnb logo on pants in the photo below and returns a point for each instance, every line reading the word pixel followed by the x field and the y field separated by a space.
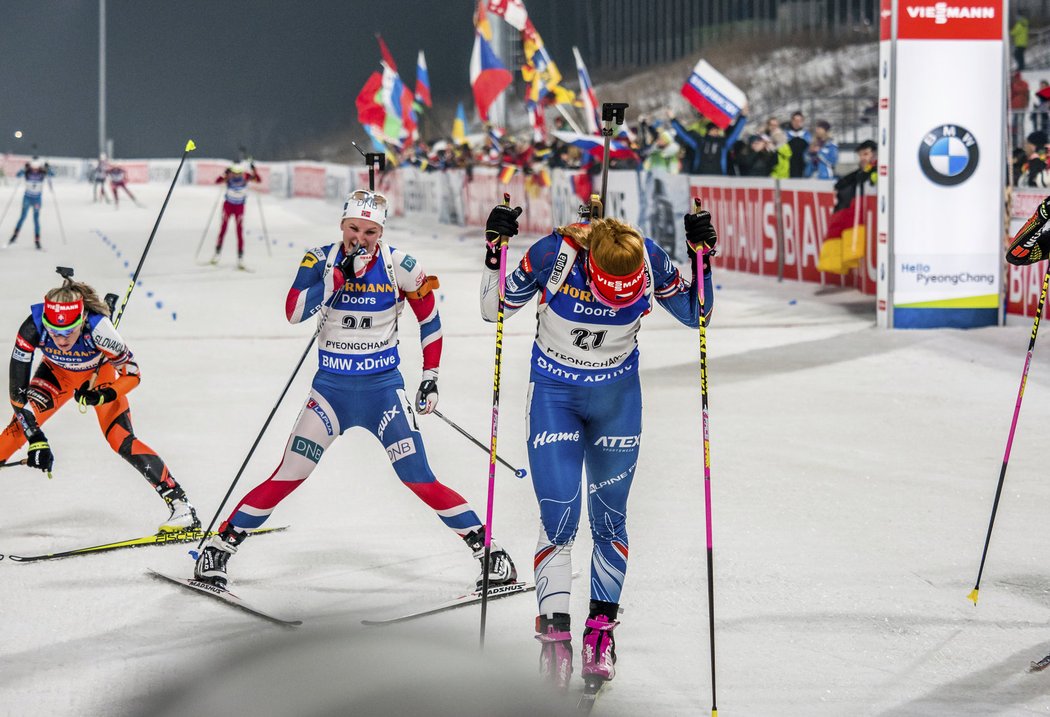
pixel 307 448
pixel 948 155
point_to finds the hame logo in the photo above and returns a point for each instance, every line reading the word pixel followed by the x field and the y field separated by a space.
pixel 941 12
pixel 546 438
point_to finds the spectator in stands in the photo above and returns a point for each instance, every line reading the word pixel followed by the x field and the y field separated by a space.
pixel 771 126
pixel 1019 101
pixel 663 153
pixel 823 153
pixel 1042 107
pixel 866 173
pixel 757 159
pixel 1034 171
pixel 782 149
pixel 797 127
pixel 1019 38
pixel 1017 163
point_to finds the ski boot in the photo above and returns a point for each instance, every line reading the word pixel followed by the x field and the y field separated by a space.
pixel 599 647
pixel 555 649
pixel 501 567
pixel 36 242
pixel 12 239
pixel 214 259
pixel 240 264
pixel 183 515
pixel 211 565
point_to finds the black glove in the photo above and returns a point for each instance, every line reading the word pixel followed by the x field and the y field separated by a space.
pixel 347 264
pixel 94 396
pixel 427 396
pixel 502 221
pixel 700 233
pixel 40 455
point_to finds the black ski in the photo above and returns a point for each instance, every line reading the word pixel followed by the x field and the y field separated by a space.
pixel 224 596
pixel 472 598
pixel 1040 666
pixel 168 538
pixel 592 687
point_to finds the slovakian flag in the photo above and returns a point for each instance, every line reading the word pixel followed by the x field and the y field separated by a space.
pixel 590 102
pixel 595 146
pixel 422 81
pixel 714 96
pixel 488 76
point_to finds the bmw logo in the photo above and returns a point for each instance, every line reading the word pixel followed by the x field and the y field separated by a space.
pixel 948 155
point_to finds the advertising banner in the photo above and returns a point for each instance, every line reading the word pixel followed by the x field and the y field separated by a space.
pixel 947 154
pixel 308 180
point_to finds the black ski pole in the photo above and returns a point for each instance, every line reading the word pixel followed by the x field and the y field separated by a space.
pixel 190 146
pixel 58 214
pixel 11 464
pixel 207 226
pixel 612 113
pixel 10 200
pixel 320 324
pixel 518 472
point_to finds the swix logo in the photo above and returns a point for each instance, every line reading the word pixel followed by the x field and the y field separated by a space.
pixel 941 12
pixel 399 450
pixel 545 438
pixel 618 443
pixel 388 416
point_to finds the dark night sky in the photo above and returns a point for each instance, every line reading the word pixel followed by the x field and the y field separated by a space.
pixel 266 74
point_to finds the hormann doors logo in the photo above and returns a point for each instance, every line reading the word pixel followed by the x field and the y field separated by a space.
pixel 948 155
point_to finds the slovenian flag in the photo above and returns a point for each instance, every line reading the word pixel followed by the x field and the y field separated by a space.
pixel 459 125
pixel 488 76
pixel 590 102
pixel 422 81
pixel 713 95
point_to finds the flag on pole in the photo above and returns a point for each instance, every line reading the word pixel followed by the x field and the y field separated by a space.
pixel 396 98
pixel 714 96
pixel 481 21
pixel 506 173
pixel 488 76
pixel 590 102
pixel 422 81
pixel 459 125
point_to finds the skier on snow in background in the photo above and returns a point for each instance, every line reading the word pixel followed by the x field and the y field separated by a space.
pixel 35 173
pixel 72 331
pixel 595 283
pixel 98 179
pixel 236 179
pixel 118 180
pixel 358 382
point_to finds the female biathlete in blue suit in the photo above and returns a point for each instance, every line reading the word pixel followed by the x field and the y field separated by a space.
pixel 595 282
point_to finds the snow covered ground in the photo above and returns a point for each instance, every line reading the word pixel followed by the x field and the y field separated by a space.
pixel 853 475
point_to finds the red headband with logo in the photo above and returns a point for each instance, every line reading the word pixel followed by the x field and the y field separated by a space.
pixel 616 292
pixel 63 315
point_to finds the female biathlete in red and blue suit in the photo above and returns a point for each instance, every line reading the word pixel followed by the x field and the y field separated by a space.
pixel 362 284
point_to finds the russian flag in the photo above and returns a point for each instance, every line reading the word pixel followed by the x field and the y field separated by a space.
pixel 594 145
pixel 488 76
pixel 590 102
pixel 422 81
pixel 714 96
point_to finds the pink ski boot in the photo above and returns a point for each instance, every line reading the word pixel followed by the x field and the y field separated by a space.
pixel 556 649
pixel 599 647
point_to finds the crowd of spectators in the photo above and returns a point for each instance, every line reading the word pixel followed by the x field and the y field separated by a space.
pixel 669 143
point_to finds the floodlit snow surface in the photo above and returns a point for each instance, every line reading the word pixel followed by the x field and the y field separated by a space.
pixel 852 480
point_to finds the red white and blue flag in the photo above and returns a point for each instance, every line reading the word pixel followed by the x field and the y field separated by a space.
pixel 714 96
pixel 594 145
pixel 422 81
pixel 488 76
pixel 590 102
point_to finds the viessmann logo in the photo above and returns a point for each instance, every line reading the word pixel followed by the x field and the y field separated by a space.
pixel 942 12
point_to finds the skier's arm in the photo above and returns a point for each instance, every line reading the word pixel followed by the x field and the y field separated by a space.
pixel 312 289
pixel 522 283
pixel 418 289
pixel 21 367
pixel 676 294
pixel 117 354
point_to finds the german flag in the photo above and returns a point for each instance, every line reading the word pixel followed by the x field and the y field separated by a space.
pixel 506 173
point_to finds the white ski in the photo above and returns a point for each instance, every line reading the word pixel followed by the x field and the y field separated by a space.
pixel 224 596
pixel 472 598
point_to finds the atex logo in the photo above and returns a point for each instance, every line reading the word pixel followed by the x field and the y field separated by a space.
pixel 618 443
pixel 948 155
pixel 941 12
